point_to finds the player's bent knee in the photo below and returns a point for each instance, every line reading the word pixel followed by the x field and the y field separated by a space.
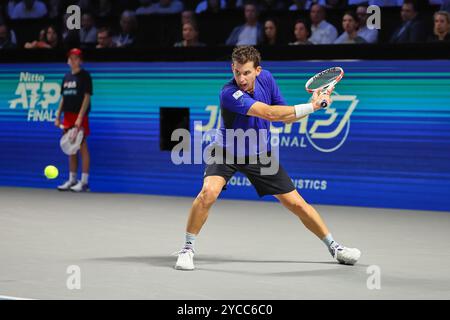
pixel 208 196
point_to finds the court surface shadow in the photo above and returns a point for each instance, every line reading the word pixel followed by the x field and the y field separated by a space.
pixel 203 262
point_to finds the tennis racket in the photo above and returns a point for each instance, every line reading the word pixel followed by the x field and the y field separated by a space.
pixel 323 81
pixel 71 140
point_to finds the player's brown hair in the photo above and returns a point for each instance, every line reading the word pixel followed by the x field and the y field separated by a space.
pixel 244 54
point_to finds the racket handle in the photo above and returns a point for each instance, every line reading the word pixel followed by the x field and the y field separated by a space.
pixel 323 104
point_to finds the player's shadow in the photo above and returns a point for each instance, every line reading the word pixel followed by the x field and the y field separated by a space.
pixel 164 261
pixel 203 261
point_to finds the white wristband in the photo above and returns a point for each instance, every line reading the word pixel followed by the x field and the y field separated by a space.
pixel 302 110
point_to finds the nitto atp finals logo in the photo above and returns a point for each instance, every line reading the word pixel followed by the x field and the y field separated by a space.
pixel 35 94
pixel 325 131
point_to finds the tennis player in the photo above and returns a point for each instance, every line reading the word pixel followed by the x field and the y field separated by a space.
pixel 251 100
pixel 76 92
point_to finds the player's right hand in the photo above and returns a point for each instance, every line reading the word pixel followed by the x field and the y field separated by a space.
pixel 320 97
pixel 57 123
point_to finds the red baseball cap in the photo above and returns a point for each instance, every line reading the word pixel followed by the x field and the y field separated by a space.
pixel 75 51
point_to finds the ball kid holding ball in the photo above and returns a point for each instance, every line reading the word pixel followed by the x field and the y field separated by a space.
pixel 76 92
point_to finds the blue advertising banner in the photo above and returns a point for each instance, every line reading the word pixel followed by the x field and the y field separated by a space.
pixel 384 142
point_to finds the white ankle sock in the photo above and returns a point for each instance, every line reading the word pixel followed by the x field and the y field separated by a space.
pixel 330 243
pixel 190 241
pixel 73 177
pixel 84 178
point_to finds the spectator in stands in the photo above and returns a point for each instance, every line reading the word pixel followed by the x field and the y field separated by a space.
pixel 335 4
pixel 213 6
pixel 11 5
pixel 166 7
pixel 350 26
pixel 302 31
pixel 271 33
pixel 369 35
pixel 304 4
pixel 86 5
pixel 42 35
pixel 5 38
pixel 54 8
pixel 187 16
pixel 104 8
pixel 445 6
pixel 386 3
pixel 125 5
pixel 322 31
pixel 250 33
pixel 104 39
pixel 190 36
pixel 29 9
pixel 128 27
pixel 48 40
pixel 358 2
pixel 235 4
pixel 88 31
pixel 272 5
pixel 441 30
pixel 412 29
pixel 145 8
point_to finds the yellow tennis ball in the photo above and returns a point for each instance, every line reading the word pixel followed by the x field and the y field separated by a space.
pixel 51 172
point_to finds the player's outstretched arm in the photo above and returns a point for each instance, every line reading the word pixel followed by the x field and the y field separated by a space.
pixel 288 114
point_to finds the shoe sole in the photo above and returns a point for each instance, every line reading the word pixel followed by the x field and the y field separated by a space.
pixel 348 263
pixel 183 269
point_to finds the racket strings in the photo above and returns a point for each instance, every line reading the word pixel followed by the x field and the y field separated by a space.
pixel 323 80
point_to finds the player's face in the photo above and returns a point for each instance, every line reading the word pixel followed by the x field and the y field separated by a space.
pixel 245 75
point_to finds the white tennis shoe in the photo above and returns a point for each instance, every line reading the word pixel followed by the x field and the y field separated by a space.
pixel 185 259
pixel 345 255
pixel 80 187
pixel 67 185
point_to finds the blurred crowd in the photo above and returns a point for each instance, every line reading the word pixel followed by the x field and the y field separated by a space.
pixel 261 23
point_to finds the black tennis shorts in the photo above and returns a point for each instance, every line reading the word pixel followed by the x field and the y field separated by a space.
pixel 278 183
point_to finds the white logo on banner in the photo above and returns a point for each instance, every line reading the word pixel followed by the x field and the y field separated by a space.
pixel 36 95
pixel 341 121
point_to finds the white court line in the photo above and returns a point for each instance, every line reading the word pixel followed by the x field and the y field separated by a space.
pixel 13 298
